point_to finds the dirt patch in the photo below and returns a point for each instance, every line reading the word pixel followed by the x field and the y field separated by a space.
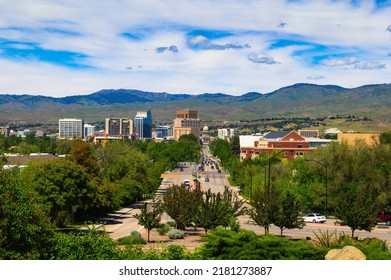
pixel 191 241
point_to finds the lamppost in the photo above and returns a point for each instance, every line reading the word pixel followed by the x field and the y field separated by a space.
pixel 325 166
pixel 269 163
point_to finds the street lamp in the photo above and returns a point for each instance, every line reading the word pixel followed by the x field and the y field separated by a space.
pixel 325 166
pixel 269 160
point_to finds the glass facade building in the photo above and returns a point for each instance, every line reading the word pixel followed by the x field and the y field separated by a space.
pixel 143 125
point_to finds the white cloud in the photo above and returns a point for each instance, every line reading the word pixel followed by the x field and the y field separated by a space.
pixel 335 28
pixel 198 40
pixel 340 62
pixel 370 66
pixel 260 58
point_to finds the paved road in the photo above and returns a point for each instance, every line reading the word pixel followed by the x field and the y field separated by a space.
pixel 383 233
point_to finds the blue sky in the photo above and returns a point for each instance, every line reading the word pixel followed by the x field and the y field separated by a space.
pixel 61 48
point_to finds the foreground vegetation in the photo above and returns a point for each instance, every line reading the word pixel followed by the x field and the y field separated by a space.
pixel 38 200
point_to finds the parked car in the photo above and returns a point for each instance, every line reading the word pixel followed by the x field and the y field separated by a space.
pixel 186 182
pixel 384 217
pixel 314 218
pixel 206 179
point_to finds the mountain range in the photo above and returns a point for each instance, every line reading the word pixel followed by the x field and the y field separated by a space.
pixel 298 100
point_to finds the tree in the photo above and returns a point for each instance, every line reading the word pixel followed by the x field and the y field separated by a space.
pixel 63 147
pixel 213 211
pixel 25 231
pixel 181 204
pixel 60 185
pixel 189 137
pixel 81 153
pixel 235 204
pixel 90 244
pixel 356 207
pixel 149 217
pixel 258 211
pixel 287 214
pixel 385 137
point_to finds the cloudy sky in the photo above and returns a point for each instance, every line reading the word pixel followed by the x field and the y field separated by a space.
pixel 72 47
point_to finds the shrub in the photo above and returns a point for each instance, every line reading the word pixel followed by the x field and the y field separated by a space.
pixel 171 224
pixel 223 244
pixel 129 240
pixel 234 224
pixel 135 234
pixel 163 229
pixel 373 248
pixel 176 234
pixel 324 239
pixel 174 252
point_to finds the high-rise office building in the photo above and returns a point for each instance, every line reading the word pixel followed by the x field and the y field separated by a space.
pixel 186 122
pixel 70 129
pixel 143 125
pixel 119 127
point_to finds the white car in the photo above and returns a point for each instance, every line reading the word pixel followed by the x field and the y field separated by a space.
pixel 314 218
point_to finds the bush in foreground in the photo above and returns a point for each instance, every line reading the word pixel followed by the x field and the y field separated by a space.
pixel 224 244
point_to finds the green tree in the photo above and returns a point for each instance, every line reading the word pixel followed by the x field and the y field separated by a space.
pixel 60 185
pixel 25 231
pixel 288 212
pixel 150 216
pixel 385 138
pixel 181 204
pixel 258 211
pixel 356 207
pixel 88 244
pixel 63 147
pixel 213 211
pixel 25 148
pixel 82 154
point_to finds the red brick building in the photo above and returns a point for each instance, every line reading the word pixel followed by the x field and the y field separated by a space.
pixel 291 143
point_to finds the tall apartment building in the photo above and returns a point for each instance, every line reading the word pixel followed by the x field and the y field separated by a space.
pixel 186 122
pixel 143 125
pixel 119 127
pixel 5 130
pixel 71 129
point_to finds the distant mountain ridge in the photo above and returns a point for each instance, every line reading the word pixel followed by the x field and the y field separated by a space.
pixel 298 100
pixel 108 96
